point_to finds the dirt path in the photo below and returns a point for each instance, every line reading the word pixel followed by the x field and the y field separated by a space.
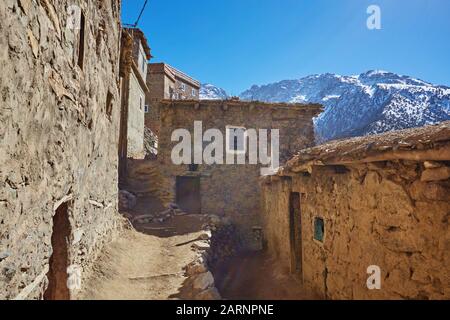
pixel 254 276
pixel 140 266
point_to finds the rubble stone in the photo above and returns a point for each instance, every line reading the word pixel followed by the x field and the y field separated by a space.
pixel 203 281
pixel 209 294
pixel 436 174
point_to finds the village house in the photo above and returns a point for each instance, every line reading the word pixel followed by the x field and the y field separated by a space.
pixel 134 56
pixel 230 190
pixel 336 211
pixel 59 126
pixel 166 82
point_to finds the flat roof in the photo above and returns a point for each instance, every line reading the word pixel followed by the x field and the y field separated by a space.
pixel 313 107
pixel 430 143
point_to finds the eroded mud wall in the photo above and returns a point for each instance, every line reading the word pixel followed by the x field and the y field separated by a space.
pixel 59 118
pixel 394 215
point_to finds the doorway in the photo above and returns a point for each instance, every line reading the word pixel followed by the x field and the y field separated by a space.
pixel 188 194
pixel 295 230
pixel 57 275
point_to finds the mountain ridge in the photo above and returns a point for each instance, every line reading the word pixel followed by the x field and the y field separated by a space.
pixel 372 102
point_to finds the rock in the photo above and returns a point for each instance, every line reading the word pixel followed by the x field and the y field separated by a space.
pixel 25 5
pixel 77 234
pixel 195 268
pixel 214 219
pixel 203 281
pixel 33 43
pixel 173 205
pixel 179 212
pixel 201 245
pixel 435 174
pixel 432 164
pixel 165 212
pixel 209 294
pixel 4 255
pixel 127 200
pixel 205 236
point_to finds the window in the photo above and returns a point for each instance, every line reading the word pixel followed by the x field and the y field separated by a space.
pixel 81 41
pixel 140 103
pixel 183 87
pixel 319 229
pixel 194 92
pixel 146 108
pixel 193 167
pixel 235 139
pixel 109 104
pixel 143 64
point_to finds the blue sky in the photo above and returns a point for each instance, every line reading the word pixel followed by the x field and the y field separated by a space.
pixel 237 43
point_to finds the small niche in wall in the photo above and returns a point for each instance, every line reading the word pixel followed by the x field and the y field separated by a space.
pixel 319 229
pixel 193 167
pixel 80 61
pixel 305 174
pixel 109 104
pixel 340 169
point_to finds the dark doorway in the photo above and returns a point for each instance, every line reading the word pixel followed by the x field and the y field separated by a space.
pixel 57 275
pixel 295 227
pixel 188 194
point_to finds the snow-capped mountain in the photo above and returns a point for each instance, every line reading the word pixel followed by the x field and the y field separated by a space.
pixel 211 92
pixel 372 102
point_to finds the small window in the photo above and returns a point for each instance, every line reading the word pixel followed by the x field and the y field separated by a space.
pixel 235 139
pixel 81 41
pixel 143 64
pixel 193 167
pixel 109 104
pixel 194 92
pixel 183 87
pixel 319 229
pixel 146 108
pixel 140 103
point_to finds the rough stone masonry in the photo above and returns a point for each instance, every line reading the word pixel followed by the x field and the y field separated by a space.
pixel 59 118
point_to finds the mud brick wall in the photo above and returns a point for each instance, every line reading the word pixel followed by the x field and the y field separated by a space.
pixel 58 136
pixel 391 214
pixel 231 190
pixel 136 103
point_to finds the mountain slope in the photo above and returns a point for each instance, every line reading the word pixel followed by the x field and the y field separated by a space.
pixel 211 92
pixel 372 102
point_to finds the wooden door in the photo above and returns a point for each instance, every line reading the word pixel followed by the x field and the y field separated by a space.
pixel 188 194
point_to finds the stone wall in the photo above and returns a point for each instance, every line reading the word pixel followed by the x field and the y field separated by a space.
pixel 227 189
pixel 58 136
pixel 136 102
pixel 144 178
pixel 391 214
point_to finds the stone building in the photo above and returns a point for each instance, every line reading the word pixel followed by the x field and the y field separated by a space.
pixel 134 56
pixel 166 82
pixel 59 123
pixel 335 211
pixel 230 190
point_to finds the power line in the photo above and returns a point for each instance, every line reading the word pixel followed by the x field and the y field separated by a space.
pixel 138 18
pixel 140 14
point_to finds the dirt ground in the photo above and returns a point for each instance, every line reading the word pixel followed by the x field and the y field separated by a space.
pixel 147 261
pixel 140 266
pixel 254 275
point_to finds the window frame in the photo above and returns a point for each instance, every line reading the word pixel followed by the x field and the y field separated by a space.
pixel 227 140
pixel 316 218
